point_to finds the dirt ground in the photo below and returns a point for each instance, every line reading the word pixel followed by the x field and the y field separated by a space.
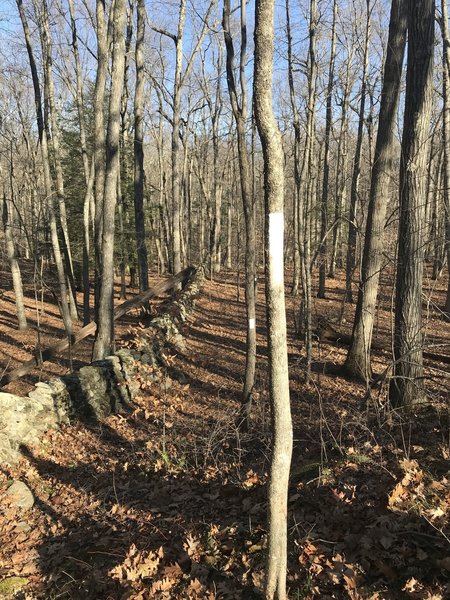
pixel 168 500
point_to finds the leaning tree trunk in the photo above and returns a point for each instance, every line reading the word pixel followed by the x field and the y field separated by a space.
pixel 104 341
pixel 276 313
pixel 358 357
pixel 406 389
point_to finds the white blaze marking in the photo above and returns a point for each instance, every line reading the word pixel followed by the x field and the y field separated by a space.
pixel 276 246
pixel 251 323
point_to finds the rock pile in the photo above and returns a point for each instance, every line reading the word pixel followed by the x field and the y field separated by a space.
pixel 97 390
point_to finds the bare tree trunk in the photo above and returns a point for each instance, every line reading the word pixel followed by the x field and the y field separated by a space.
pixel 296 125
pixel 352 225
pixel 99 144
pixel 54 140
pixel 341 168
pixel 65 312
pixel 358 357
pixel 104 341
pixel 14 265
pixel 88 171
pixel 139 149
pixel 446 140
pixel 218 178
pixel 240 114
pixel 406 389
pixel 276 312
pixel 326 160
pixel 306 190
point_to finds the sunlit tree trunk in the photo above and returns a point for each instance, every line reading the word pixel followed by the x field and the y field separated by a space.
pixel 104 341
pixel 48 187
pixel 276 312
pixel 53 135
pixel 14 265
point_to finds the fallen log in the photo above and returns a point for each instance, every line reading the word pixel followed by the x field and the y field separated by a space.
pixel 89 329
pixel 326 333
pixel 102 388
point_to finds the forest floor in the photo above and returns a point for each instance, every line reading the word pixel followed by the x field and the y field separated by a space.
pixel 169 500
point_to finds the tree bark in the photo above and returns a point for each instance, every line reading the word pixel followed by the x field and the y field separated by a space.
pixel 65 312
pixel 14 265
pixel 104 341
pixel 139 215
pixel 354 194
pixel 406 388
pixel 358 357
pixel 99 144
pixel 54 141
pixel 276 313
pixel 446 140
pixel 88 171
pixel 326 161
pixel 240 114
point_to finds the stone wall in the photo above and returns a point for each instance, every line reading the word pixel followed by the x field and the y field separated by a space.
pixel 97 390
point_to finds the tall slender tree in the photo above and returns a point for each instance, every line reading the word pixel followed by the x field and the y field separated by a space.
pixel 48 185
pixel 104 341
pixel 446 138
pixel 276 313
pixel 239 106
pixel 326 159
pixel 139 214
pixel 356 175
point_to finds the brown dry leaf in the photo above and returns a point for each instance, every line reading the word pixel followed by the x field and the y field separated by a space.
pixel 148 567
pixel 350 586
pixel 436 513
pixel 396 494
pixel 173 571
pixel 191 546
pixel 163 585
pixel 195 587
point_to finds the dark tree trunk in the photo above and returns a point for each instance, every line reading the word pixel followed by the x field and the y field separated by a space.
pixel 354 193
pixel 139 215
pixel 406 389
pixel 358 357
